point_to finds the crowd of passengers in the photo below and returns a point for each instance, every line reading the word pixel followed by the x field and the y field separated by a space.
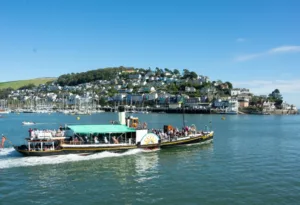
pixel 35 133
pixel 95 139
pixel 175 133
pixel 38 147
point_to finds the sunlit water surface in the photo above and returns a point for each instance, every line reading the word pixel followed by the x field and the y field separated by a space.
pixel 253 160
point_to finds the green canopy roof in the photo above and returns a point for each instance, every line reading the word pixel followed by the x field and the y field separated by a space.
pixel 85 129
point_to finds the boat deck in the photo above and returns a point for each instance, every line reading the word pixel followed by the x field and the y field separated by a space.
pixel 96 145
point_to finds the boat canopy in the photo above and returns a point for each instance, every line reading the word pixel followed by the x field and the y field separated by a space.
pixel 86 129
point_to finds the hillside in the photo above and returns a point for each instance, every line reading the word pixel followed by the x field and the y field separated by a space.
pixel 19 83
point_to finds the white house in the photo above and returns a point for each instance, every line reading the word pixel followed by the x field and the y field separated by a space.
pixel 168 74
pixel 149 73
pixel 120 96
pixel 159 83
pixel 134 76
pixel 235 92
pixel 245 91
pixel 210 89
pixel 117 87
pixel 146 89
pixel 190 89
pixel 286 106
pixel 135 97
pixel 268 106
pixel 73 99
pixel 151 96
pixel 143 83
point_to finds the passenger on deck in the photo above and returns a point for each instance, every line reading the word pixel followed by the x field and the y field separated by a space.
pixel 29 131
pixel 87 139
pixel 115 140
pixel 145 125
pixel 96 140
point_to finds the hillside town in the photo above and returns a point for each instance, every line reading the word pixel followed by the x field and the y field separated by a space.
pixel 141 90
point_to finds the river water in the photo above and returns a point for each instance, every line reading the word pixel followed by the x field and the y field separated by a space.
pixel 253 160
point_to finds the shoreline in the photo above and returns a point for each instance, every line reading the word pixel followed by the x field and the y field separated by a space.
pixel 171 111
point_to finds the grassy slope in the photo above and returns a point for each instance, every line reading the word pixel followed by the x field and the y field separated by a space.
pixel 20 83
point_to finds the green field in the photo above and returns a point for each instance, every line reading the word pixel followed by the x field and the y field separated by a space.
pixel 19 83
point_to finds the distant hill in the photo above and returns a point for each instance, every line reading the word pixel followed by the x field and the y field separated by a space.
pixel 93 75
pixel 19 83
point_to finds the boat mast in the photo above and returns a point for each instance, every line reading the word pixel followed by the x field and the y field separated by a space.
pixel 182 104
pixel 183 115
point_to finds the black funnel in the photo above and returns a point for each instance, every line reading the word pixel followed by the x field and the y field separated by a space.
pixel 121 109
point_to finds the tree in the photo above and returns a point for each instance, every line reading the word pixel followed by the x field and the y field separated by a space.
pixel 229 84
pixel 84 77
pixel 275 95
pixel 219 82
pixel 186 73
pixel 176 72
pixel 129 85
pixel 278 103
pixel 157 71
pixel 5 92
pixel 29 86
pixel 254 101
pixel 172 88
pixel 168 70
pixel 112 92
pixel 102 101
pixel 193 75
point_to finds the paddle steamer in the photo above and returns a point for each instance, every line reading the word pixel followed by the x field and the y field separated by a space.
pixel 127 134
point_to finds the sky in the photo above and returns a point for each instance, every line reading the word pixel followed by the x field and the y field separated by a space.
pixel 253 44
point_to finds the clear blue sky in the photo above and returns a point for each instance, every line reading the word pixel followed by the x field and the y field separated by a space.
pixel 254 44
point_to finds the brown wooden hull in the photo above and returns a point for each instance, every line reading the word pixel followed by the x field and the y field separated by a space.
pixel 191 140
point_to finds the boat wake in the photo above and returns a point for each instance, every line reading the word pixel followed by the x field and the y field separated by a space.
pixel 199 143
pixel 151 150
pixel 8 152
pixel 10 161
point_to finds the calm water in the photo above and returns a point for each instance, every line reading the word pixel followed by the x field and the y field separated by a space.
pixel 253 160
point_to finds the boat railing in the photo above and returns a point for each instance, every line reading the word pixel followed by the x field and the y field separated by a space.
pixel 179 136
pixel 73 142
pixel 41 134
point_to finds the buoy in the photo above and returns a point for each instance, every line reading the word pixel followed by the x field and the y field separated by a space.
pixel 78 118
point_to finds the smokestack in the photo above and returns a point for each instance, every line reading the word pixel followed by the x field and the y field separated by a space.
pixel 122 119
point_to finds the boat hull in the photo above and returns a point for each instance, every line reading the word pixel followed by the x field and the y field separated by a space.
pixel 191 140
pixel 90 149
pixel 87 149
pixel 81 150
pixel 38 153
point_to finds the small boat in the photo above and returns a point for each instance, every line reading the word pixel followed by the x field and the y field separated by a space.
pixel 4 111
pixel 28 123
